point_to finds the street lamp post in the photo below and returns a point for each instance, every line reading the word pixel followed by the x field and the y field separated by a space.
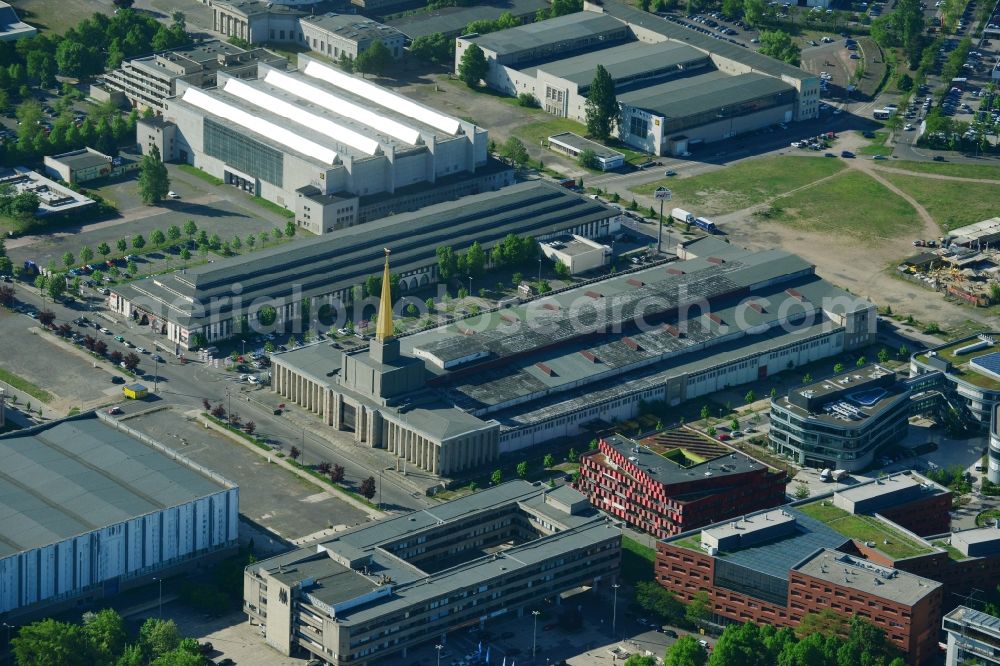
pixel 156 373
pixel 159 604
pixel 8 654
pixel 539 270
pixel 614 613
pixel 470 285
pixel 534 633
pixel 439 648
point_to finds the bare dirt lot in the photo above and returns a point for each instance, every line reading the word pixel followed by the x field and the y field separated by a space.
pixel 826 223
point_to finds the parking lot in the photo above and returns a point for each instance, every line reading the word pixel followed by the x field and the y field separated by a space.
pixel 38 358
pixel 510 636
pixel 269 495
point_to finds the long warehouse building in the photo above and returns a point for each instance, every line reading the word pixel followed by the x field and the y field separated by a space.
pixel 206 303
pixel 676 87
pixel 334 148
pixel 454 398
pixel 89 507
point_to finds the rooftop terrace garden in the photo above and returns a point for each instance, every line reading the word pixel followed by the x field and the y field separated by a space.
pixel 888 540
pixel 960 363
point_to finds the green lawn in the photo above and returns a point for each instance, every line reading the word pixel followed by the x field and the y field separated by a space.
pixel 22 384
pixel 960 365
pixel 637 561
pixel 890 541
pixel 692 542
pixel 877 145
pixel 951 203
pixel 953 553
pixel 746 184
pixel 198 173
pixel 55 16
pixel 950 169
pixel 534 134
pixel 843 206
pixel 273 207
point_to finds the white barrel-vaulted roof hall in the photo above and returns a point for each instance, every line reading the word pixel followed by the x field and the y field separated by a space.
pixel 318 141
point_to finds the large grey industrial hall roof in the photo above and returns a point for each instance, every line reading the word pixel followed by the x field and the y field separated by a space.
pixel 344 258
pixel 74 476
pixel 693 95
pixel 721 47
pixel 552 31
pixel 453 20
pixel 624 61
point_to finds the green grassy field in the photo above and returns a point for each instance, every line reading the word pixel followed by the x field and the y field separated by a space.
pixel 843 205
pixel 877 145
pixel 533 134
pixel 745 184
pixel 198 173
pixel 951 203
pixel 56 16
pixel 950 169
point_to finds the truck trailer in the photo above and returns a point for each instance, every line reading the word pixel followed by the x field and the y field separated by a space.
pixel 682 216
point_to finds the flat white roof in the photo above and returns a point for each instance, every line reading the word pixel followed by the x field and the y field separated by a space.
pixel 200 99
pixel 339 105
pixel 297 114
pixel 383 97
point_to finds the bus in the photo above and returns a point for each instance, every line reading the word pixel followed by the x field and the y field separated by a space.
pixel 882 114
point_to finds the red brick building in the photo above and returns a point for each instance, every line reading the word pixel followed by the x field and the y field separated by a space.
pixel 676 481
pixel 839 551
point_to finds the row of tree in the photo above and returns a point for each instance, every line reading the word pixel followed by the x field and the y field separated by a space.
pixel 105 129
pixel 511 251
pixel 102 639
pixel 826 638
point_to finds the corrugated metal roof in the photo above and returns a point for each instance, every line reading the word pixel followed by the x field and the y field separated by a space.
pixel 695 95
pixel 534 35
pixel 345 258
pixel 75 476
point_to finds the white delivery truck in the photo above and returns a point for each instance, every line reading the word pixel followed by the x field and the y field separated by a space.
pixel 682 216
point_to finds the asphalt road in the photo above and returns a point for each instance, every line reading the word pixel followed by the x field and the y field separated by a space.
pixel 186 386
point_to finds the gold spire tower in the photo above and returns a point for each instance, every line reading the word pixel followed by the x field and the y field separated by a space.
pixel 383 328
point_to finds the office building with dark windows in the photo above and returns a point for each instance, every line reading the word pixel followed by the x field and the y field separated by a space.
pixel 675 481
pixel 973 638
pixel 883 550
pixel 368 595
pixel 841 422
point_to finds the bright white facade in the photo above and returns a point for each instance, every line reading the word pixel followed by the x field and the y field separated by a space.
pixel 90 507
pixel 318 142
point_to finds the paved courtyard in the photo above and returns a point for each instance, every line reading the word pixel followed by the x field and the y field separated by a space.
pixel 270 496
pixel 38 358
